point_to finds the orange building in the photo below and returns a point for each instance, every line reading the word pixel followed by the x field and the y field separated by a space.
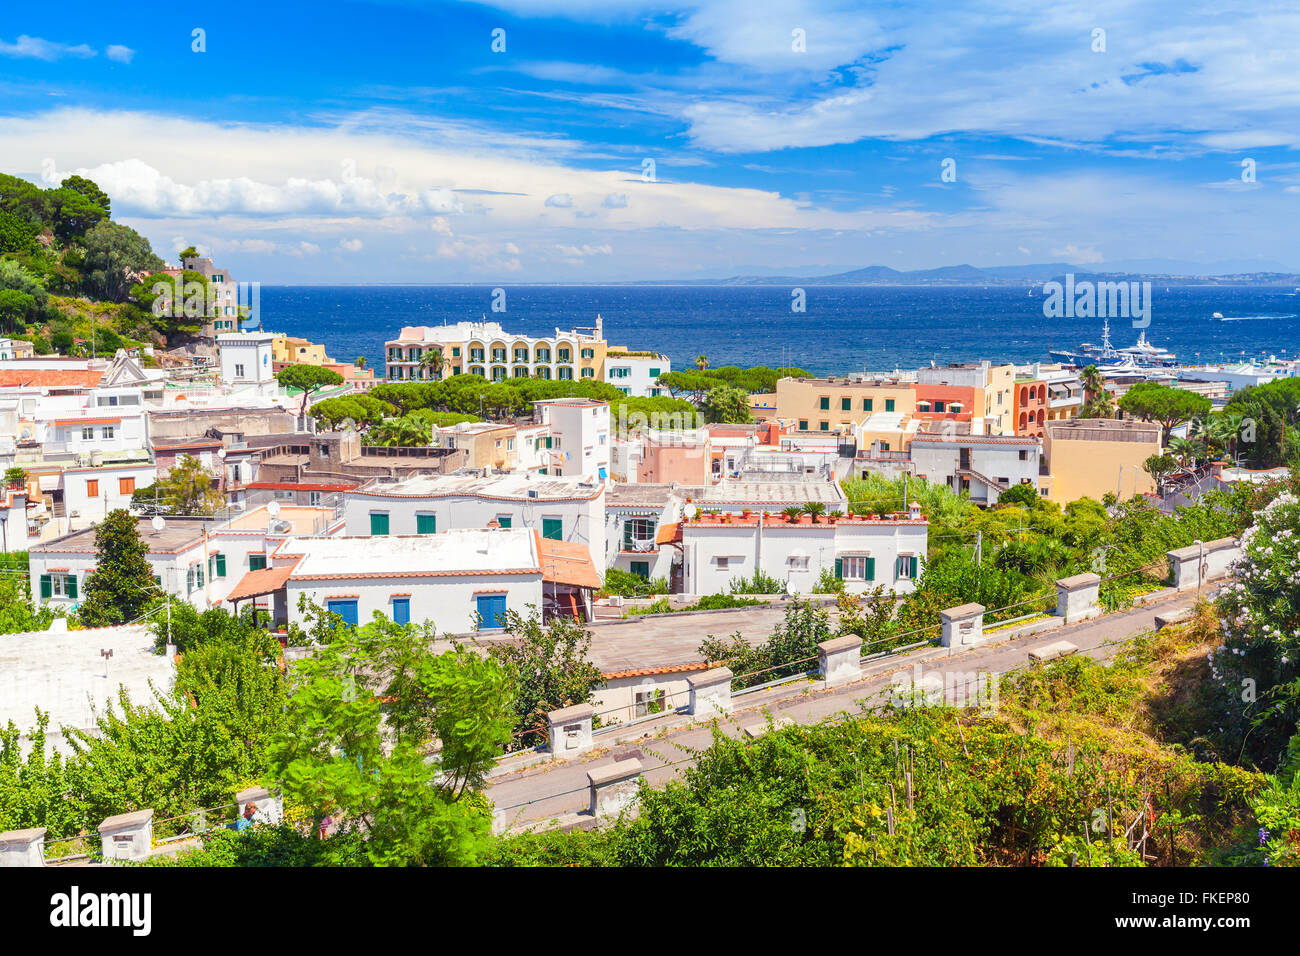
pixel 947 403
pixel 1029 406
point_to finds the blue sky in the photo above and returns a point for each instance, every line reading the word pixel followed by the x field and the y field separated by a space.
pixel 389 142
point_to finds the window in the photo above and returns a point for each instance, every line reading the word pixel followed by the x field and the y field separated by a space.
pixel 588 353
pixel 491 610
pixel 798 562
pixel 109 431
pixel 256 562
pixel 566 373
pixel 824 403
pixel 125 486
pixel 217 566
pixel 825 426
pixel 855 568
pixel 939 406
pixel 313 497
pixel 92 488
pixel 87 434
pixel 239 371
pixel 905 567
pixel 588 373
pixel 803 424
pixel 426 524
pixel 621 371
pixel 455 352
pixel 498 355
pixel 344 609
pixel 504 520
pixel 650 702
pixel 639 534
pixel 378 522
pixel 59 585
pixel 723 562
pixel 476 355
pixel 846 404
pixel 654 373
pixel 401 610
pixel 866 404
pixel 889 404
pixel 543 355
pixel 884 446
pixel 641 569
pixel 1024 456
pixel 552 528
pixel 564 355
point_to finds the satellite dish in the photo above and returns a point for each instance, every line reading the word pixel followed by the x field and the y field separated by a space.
pixel 689 511
pixel 221 453
pixel 158 523
pixel 273 508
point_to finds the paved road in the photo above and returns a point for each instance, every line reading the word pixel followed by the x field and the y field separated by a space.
pixel 548 789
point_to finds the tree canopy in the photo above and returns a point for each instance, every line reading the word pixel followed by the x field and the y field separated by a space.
pixel 1153 402
pixel 121 586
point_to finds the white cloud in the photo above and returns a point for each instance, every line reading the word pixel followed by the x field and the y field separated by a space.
pixel 350 245
pixel 441 226
pixel 37 49
pixel 615 201
pixel 119 54
pixel 560 201
pixel 586 249
pixel 1076 256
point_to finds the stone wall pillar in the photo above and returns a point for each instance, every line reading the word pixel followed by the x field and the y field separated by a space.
pixel 962 626
pixel 571 730
pixel 613 787
pixel 1076 597
pixel 711 693
pixel 127 836
pixel 23 847
pixel 840 661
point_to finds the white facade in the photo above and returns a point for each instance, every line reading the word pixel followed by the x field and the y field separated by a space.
pixel 487 349
pixel 636 373
pixel 564 508
pixel 246 357
pixel 580 439
pixel 449 579
pixel 868 552
pixel 633 518
pixel 986 465
pixel 89 494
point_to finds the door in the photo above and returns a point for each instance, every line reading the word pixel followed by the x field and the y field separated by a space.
pixel 344 609
pixel 641 569
pixel 963 458
pixel 492 610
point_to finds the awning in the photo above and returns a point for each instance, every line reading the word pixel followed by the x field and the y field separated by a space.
pixel 257 583
pixel 669 533
pixel 49 482
pixel 568 562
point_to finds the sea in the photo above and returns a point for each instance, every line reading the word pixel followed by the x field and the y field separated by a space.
pixel 842 329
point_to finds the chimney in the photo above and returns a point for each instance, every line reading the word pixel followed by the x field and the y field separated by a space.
pixel 914 511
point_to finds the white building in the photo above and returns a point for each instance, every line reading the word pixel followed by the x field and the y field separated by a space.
pixel 774 493
pixel 89 494
pixel 636 373
pixel 563 509
pixel 197 560
pixel 984 465
pixel 634 514
pixel 579 436
pixel 865 552
pixel 246 358
pixel 461 581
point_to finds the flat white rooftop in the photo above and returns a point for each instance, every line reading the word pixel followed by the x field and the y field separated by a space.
pixel 511 486
pixel 460 551
pixel 765 493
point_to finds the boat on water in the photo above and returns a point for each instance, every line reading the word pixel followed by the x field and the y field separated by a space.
pixel 1142 354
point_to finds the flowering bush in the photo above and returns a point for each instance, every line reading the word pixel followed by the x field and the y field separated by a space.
pixel 1256 666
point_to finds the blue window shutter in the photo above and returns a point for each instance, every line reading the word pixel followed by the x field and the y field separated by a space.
pixel 401 610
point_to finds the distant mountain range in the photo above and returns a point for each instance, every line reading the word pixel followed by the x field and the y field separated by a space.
pixel 1025 275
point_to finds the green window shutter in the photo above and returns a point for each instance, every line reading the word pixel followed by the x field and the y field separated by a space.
pixel 627 536
pixel 72 586
pixel 824 404
pixel 889 404
pixel 866 404
pixel 912 562
pixel 426 524
pixel 378 522
pixel 552 528
pixel 198 575
pixel 803 424
pixel 846 404
pixel 504 521
pixel 157 580
pixel 256 562
pixel 47 586
pixel 221 565
pixel 839 568
pixel 871 569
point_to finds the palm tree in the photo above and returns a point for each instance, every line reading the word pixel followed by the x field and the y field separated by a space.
pixel 432 360
pixel 792 513
pixel 1186 450
pixel 360 362
pixel 813 509
pixel 701 362
pixel 1097 403
pixel 1223 430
